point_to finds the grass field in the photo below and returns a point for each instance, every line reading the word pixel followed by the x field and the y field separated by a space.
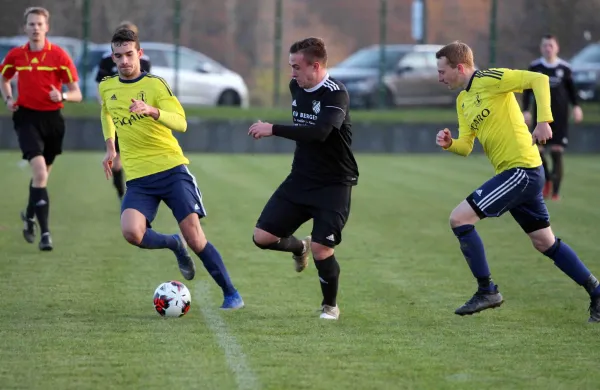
pixel 401 115
pixel 81 317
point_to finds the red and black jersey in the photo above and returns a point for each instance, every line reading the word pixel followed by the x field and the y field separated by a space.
pixel 38 72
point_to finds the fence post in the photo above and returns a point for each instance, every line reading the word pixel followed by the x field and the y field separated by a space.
pixel 493 32
pixel 86 37
pixel 382 42
pixel 277 52
pixel 177 40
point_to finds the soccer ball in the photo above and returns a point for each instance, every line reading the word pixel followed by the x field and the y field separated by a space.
pixel 172 299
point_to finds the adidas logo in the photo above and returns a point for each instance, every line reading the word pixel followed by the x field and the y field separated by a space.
pixel 113 97
pixel 330 237
pixel 478 192
pixel 294 103
pixel 196 207
pixel 35 61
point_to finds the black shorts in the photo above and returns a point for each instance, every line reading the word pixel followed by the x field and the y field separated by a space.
pixel 40 133
pixel 560 133
pixel 117 143
pixel 291 206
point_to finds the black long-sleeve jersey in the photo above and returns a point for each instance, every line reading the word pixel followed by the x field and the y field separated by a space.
pixel 107 67
pixel 322 131
pixel 562 89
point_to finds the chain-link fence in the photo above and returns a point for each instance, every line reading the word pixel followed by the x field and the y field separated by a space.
pixel 251 37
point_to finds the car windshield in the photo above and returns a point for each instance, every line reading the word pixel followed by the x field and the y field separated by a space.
pixel 589 55
pixel 369 59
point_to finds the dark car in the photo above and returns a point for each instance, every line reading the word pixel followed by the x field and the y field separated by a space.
pixel 410 77
pixel 586 72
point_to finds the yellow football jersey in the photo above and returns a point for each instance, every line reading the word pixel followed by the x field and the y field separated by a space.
pixel 488 109
pixel 147 146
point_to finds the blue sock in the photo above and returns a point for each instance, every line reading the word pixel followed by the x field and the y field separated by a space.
pixel 472 248
pixel 155 240
pixel 213 262
pixel 567 261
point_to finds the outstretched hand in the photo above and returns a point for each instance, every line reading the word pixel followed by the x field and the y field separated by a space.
pixel 260 129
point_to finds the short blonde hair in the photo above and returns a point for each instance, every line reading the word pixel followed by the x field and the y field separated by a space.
pixel 36 11
pixel 457 53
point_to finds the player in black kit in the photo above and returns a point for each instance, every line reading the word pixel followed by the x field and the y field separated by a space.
pixel 562 93
pixel 323 171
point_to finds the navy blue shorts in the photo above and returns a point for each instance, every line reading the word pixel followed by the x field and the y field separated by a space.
pixel 517 190
pixel 176 187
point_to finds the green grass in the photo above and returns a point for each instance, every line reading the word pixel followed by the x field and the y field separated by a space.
pixel 81 317
pixel 401 115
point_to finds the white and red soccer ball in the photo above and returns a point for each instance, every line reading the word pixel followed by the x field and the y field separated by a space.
pixel 172 299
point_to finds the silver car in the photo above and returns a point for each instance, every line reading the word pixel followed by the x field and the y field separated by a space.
pixel 202 80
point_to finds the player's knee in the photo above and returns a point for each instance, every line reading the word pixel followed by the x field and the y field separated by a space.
pixel 193 233
pixel 321 252
pixel 542 239
pixel 456 220
pixel 133 236
pixel 463 214
pixel 262 239
pixel 196 243
pixel 39 172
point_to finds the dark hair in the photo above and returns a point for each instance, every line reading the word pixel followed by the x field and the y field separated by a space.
pixel 313 50
pixel 550 36
pixel 456 53
pixel 123 36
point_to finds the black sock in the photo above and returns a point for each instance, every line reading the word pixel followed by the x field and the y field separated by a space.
pixel 42 207
pixel 30 213
pixel 329 275
pixel 557 170
pixel 286 244
pixel 545 165
pixel 119 182
pixel 485 284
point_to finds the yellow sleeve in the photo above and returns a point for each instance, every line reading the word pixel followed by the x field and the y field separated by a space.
pixel 108 127
pixel 171 114
pixel 510 80
pixel 462 146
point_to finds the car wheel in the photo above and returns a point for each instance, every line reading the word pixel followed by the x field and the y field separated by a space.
pixel 229 98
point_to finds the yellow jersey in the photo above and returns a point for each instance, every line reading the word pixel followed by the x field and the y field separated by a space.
pixel 488 109
pixel 147 146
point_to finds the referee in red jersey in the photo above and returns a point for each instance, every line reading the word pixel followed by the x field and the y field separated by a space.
pixel 43 68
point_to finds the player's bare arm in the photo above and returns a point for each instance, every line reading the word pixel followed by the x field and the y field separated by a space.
pixel 111 154
pixel 6 89
pixel 73 93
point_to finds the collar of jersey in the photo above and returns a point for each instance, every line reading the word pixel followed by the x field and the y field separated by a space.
pixel 551 65
pixel 471 81
pixel 47 46
pixel 313 89
pixel 135 80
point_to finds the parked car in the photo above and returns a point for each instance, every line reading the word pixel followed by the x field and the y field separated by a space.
pixel 202 80
pixel 586 72
pixel 410 76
